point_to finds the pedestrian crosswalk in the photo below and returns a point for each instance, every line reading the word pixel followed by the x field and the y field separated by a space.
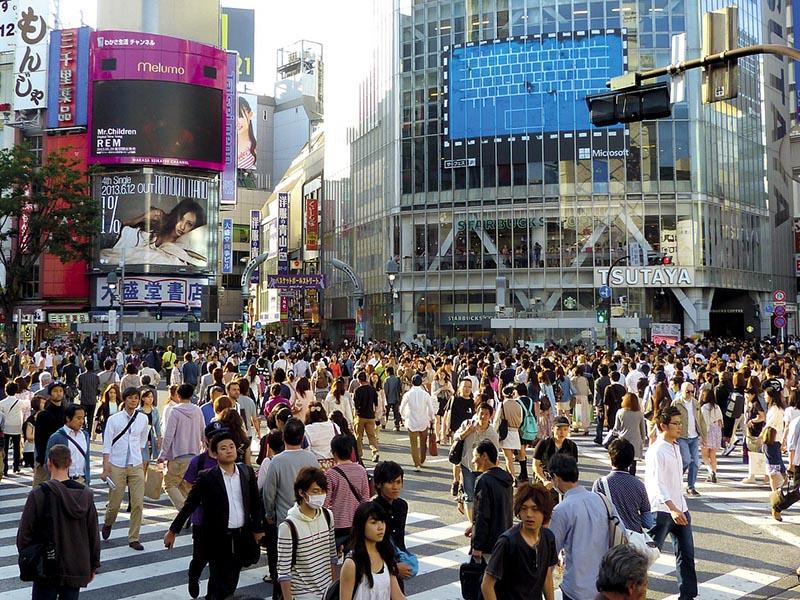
pixel 440 546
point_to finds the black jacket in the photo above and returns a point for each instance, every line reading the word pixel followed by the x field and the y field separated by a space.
pixel 494 499
pixel 210 493
pixel 48 422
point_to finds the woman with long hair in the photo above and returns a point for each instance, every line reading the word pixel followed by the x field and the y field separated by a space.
pixel 246 158
pixel 710 445
pixel 230 372
pixel 661 399
pixel 339 419
pixel 755 417
pixel 370 570
pixel 231 420
pixel 302 399
pixel 109 405
pixel 442 392
pixel 152 444
pixel 629 425
pixel 339 399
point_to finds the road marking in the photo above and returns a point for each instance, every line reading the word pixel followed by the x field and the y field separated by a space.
pixel 736 584
pixel 434 535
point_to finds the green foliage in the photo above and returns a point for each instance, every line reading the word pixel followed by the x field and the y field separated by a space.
pixel 43 209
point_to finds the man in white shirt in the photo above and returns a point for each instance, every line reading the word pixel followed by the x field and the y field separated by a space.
pixel 123 439
pixel 632 379
pixel 419 413
pixel 663 478
pixel 246 408
pixel 76 438
pixel 281 363
pixel 15 409
pixel 155 377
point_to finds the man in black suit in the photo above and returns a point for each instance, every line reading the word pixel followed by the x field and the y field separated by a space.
pixel 233 519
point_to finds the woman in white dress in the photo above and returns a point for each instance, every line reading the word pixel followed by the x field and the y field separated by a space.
pixel 369 571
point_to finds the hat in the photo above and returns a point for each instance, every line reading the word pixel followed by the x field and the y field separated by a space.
pixel 416 380
pixel 214 428
pixel 53 386
pixel 561 421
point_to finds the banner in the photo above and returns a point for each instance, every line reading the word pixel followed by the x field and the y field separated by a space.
pixel 68 78
pixel 246 142
pixel 312 224
pixel 283 233
pixel 297 281
pixel 669 333
pixel 228 195
pixel 255 240
pixel 238 34
pixel 30 55
pixel 227 246
pixel 156 100
pixel 142 290
pixel 154 219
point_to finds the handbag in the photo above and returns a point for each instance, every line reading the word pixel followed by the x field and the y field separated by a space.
pixel 406 557
pixel 786 495
pixel 470 574
pixel 639 540
pixel 456 453
pixel 502 431
pixel 753 443
pixel 609 437
pixel 38 562
pixel 433 448
pixel 153 482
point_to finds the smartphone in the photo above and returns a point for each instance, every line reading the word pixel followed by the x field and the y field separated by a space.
pixel 110 483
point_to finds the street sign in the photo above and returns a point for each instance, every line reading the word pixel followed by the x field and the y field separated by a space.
pixel 258 325
pixel 605 292
pixel 779 297
pixel 780 310
pixel 769 308
pixel 779 322
pixel 259 337
pixel 677 88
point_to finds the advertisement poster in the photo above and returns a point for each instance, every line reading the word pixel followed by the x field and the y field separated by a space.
pixel 227 246
pixel 156 220
pixel 68 79
pixel 283 233
pixel 30 55
pixel 228 195
pixel 156 100
pixel 246 131
pixel 239 34
pixel 668 333
pixel 255 239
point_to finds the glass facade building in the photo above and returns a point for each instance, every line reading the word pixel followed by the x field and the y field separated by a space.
pixel 474 163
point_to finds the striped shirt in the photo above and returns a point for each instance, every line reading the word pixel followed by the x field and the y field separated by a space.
pixel 316 553
pixel 341 499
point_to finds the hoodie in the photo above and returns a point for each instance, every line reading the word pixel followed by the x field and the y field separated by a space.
pixel 315 553
pixel 184 432
pixel 75 530
pixel 493 512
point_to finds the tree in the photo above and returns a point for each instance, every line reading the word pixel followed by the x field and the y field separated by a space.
pixel 43 209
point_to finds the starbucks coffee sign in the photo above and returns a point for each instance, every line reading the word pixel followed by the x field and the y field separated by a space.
pixel 657 276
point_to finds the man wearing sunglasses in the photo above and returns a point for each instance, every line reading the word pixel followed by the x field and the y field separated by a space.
pixel 693 430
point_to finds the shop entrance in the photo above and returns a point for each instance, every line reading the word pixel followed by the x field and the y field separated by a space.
pixel 731 312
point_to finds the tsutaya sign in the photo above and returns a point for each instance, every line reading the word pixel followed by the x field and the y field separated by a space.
pixel 664 276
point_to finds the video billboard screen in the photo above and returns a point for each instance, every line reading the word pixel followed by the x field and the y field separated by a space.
pixel 529 86
pixel 156 221
pixel 156 122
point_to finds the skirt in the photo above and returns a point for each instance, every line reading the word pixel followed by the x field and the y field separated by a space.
pixel 713 439
pixel 545 422
pixel 512 441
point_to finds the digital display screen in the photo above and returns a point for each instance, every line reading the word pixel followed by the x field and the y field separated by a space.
pixel 533 85
pixel 157 122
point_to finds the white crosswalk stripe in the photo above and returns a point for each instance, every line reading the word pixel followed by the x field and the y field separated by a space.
pixel 440 547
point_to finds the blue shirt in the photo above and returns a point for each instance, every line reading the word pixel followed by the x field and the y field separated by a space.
pixel 580 526
pixel 629 496
pixel 208 412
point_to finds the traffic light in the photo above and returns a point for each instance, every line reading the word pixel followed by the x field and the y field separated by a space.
pixel 720 31
pixel 158 314
pixel 629 105
pixel 603 314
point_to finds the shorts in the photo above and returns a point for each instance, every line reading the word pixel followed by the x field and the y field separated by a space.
pixel 775 469
pixel 512 441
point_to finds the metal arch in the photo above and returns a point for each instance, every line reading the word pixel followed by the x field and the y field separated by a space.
pixel 358 289
pixel 248 274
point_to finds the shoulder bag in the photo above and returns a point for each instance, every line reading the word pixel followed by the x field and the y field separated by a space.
pixel 456 454
pixel 38 562
pixel 127 426
pixel 502 430
pixel 352 487
pixel 641 541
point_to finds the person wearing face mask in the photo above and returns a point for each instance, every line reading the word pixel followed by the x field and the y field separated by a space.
pixel 622 575
pixel 306 540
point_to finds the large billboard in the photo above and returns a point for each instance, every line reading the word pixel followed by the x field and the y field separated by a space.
pixel 67 79
pixel 156 221
pixel 247 107
pixel 238 28
pixel 536 84
pixel 156 100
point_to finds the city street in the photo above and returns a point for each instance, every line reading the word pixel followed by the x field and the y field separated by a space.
pixel 741 551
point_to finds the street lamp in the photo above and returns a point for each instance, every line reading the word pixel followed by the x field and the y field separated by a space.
pixel 114 282
pixel 392 269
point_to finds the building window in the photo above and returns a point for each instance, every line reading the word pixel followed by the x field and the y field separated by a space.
pixel 35 144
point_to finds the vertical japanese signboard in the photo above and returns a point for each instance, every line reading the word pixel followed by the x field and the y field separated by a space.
pixel 283 233
pixel 30 55
pixel 255 239
pixel 312 224
pixel 227 246
pixel 228 195
pixel 68 78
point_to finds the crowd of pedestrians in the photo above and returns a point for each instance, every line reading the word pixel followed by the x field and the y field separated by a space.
pixel 326 518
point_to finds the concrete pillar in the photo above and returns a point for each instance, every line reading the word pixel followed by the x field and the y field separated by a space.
pixel 696 303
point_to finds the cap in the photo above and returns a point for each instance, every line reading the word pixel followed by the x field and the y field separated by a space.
pixel 214 428
pixel 416 380
pixel 54 385
pixel 561 421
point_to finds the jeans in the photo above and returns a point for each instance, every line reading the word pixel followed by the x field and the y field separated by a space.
pixel 48 591
pixel 683 544
pixel 690 456
pixel 468 477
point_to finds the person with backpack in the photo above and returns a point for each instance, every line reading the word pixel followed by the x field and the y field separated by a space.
pixel 370 570
pixel 348 486
pixel 307 541
pixel 321 381
pixel 529 428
